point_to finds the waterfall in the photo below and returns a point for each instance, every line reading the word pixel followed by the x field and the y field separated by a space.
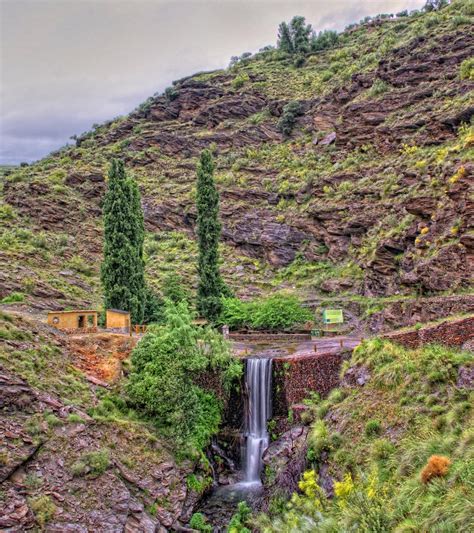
pixel 258 378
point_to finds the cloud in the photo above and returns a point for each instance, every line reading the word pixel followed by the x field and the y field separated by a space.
pixel 68 64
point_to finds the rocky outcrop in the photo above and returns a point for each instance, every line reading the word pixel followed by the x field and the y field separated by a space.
pixel 41 464
pixel 62 469
pixel 284 462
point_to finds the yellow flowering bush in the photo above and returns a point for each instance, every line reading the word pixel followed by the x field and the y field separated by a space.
pixel 309 485
pixel 460 173
pixel 343 489
pixel 408 150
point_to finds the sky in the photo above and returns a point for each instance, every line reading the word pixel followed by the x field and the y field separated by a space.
pixel 67 64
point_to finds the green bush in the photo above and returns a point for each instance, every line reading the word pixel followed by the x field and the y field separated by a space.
pixel 239 81
pixel 235 313
pixel 467 69
pixel 199 523
pixel 373 427
pixel 14 297
pixel 287 121
pixel 323 40
pixel 43 508
pixel 273 313
pixel 171 93
pixel 162 381
pixel 92 463
pixel 239 521
pixel 378 87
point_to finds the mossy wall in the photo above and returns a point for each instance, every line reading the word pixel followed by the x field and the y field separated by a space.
pixel 294 378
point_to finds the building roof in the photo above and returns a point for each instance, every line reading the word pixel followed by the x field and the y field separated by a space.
pixel 78 311
pixel 119 311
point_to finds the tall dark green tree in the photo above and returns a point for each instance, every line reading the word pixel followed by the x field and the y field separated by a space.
pixel 122 270
pixel 295 37
pixel 210 285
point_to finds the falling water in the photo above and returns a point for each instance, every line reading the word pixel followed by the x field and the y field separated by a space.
pixel 258 382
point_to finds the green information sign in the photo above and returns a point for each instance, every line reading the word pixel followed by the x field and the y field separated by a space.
pixel 333 316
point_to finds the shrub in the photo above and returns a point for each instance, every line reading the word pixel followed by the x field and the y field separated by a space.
pixel 378 87
pixel 198 522
pixel 162 381
pixel 171 93
pixel 240 80
pixel 93 463
pixel 279 312
pixel 287 121
pixel 382 449
pixel 44 509
pixel 239 520
pixel 460 20
pixel 373 427
pixel 174 288
pixel 14 297
pixel 437 466
pixel 299 61
pixel 198 483
pixel 235 313
pixel 467 69
pixel 274 312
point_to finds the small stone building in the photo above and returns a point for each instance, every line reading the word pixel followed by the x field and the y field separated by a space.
pixel 117 319
pixel 84 319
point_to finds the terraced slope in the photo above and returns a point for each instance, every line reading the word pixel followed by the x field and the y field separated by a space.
pixel 370 195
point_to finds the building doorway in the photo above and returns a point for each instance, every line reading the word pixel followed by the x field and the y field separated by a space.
pixel 81 321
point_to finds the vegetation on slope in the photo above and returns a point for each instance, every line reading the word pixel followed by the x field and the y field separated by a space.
pixel 350 202
pixel 401 448
pixel 165 366
pixel 71 444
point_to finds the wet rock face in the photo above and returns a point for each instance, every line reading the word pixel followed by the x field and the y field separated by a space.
pixel 285 461
pixel 294 377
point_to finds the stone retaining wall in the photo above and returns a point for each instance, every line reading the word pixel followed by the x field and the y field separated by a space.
pixel 449 333
pixel 269 337
pixel 295 377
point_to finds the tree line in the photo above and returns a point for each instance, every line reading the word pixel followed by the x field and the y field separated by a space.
pixel 123 267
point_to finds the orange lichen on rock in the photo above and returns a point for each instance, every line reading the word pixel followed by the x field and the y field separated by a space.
pixel 437 466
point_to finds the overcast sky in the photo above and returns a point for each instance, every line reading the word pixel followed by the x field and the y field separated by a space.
pixel 66 64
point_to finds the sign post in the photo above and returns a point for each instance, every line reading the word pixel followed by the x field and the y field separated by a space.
pixel 333 316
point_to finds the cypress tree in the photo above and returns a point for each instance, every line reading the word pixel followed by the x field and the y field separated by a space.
pixel 210 284
pixel 122 270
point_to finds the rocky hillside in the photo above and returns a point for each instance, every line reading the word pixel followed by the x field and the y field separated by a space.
pixel 369 195
pixel 69 456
